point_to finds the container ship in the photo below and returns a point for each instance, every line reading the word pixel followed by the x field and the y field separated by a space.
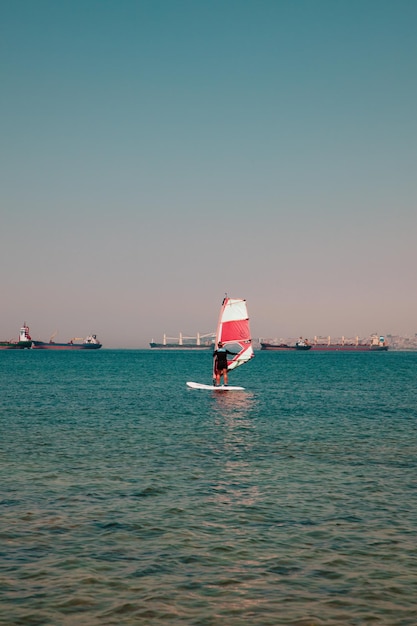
pixel 375 344
pixel 24 341
pixel 76 343
pixel 199 342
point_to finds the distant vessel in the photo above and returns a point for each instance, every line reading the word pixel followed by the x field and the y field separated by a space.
pixel 199 342
pixel 301 344
pixel 89 343
pixel 24 341
pixel 376 344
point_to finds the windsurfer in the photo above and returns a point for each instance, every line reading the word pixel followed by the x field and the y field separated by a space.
pixel 220 363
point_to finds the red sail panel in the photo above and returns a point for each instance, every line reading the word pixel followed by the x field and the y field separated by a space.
pixel 237 330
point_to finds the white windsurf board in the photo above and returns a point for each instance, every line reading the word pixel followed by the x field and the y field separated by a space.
pixel 213 387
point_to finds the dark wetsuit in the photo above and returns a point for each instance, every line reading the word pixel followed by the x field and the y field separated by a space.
pixel 221 358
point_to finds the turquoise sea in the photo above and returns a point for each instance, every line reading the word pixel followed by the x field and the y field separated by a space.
pixel 127 498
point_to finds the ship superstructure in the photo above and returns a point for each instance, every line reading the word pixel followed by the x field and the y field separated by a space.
pixel 24 341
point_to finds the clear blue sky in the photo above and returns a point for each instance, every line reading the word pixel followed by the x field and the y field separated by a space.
pixel 157 154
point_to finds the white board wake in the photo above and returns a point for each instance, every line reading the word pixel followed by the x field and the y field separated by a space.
pixel 213 387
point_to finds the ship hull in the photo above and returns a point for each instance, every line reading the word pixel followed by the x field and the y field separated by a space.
pixel 43 345
pixel 339 347
pixel 19 345
pixel 177 346
pixel 283 347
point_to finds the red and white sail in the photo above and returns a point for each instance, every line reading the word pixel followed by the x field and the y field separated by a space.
pixel 234 332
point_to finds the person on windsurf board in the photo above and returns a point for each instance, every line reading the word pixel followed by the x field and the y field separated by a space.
pixel 232 330
pixel 220 364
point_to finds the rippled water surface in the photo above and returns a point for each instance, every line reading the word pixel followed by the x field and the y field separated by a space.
pixel 127 498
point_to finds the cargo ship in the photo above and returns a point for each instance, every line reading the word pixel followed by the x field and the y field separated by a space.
pixel 376 344
pixel 298 345
pixel 76 343
pixel 199 342
pixel 24 341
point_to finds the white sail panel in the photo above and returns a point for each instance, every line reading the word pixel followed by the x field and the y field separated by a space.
pixel 243 357
pixel 234 310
